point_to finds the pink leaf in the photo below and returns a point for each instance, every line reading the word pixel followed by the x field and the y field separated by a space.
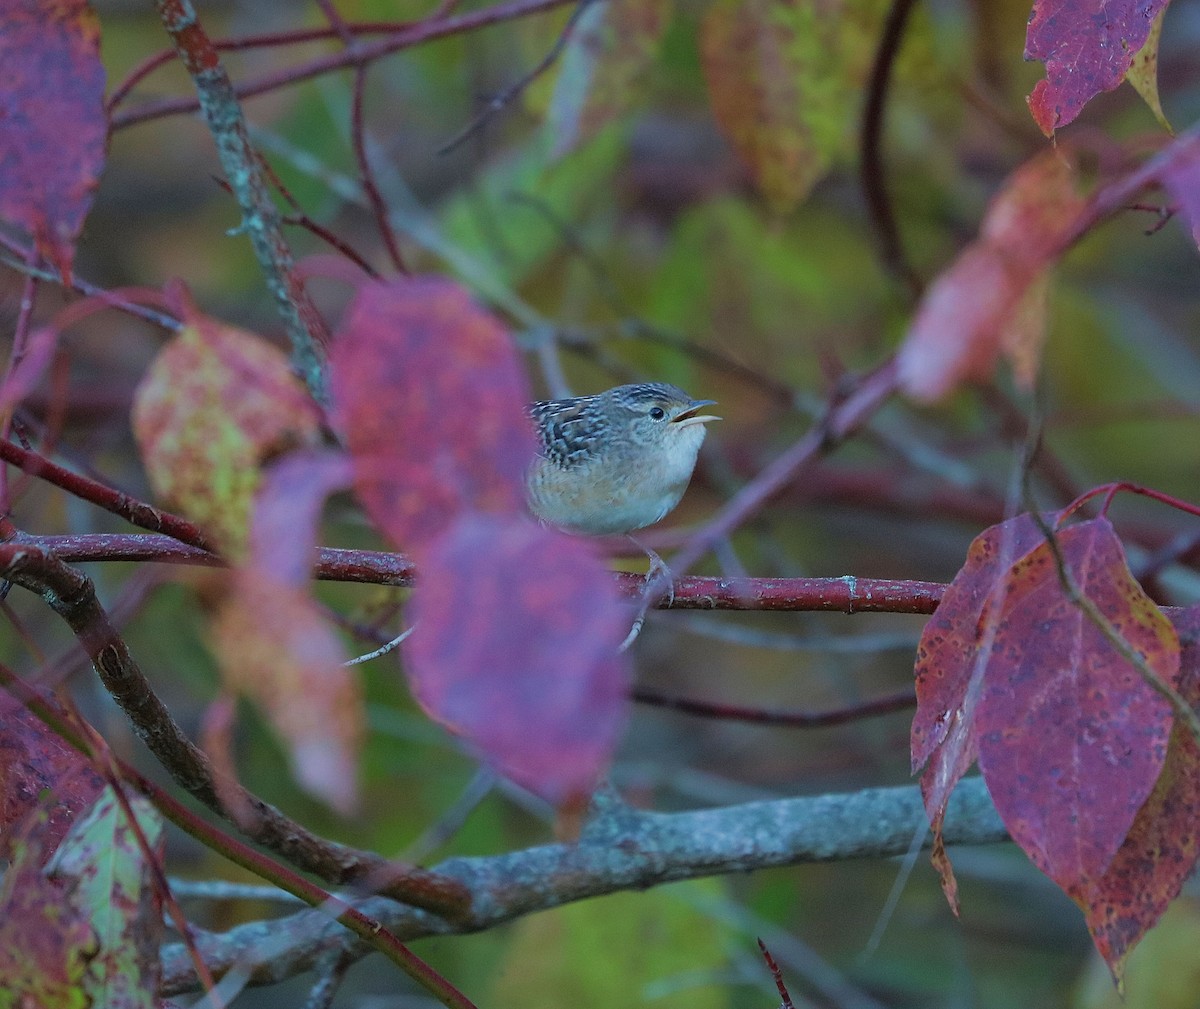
pixel 430 395
pixel 287 511
pixel 981 306
pixel 53 128
pixel 514 647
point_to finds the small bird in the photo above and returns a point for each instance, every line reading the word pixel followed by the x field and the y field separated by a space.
pixel 617 461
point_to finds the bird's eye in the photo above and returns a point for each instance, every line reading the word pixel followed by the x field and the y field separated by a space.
pixel 657 412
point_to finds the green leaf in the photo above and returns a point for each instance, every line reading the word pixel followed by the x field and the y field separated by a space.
pixel 1143 72
pixel 105 864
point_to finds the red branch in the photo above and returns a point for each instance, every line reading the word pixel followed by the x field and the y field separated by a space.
pixel 846 594
pixel 139 513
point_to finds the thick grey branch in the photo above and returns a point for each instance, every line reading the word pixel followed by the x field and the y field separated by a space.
pixel 622 849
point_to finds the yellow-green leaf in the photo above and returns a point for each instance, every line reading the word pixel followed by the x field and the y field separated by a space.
pixel 779 79
pixel 215 404
pixel 1143 72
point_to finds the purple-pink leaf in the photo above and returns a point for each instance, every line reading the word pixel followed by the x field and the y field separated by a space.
pixel 1087 46
pixel 430 396
pixel 1181 177
pixel 287 512
pixel 514 648
pixel 53 128
pixel 1071 738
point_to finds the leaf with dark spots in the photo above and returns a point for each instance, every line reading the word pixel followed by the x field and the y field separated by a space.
pixel 1143 71
pixel 1071 737
pixel 110 874
pixel 40 774
pixel 951 659
pixel 1161 850
pixel 780 79
pixel 514 648
pixel 53 126
pixel 1087 48
pixel 429 394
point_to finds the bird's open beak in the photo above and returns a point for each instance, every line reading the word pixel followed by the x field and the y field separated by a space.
pixel 691 416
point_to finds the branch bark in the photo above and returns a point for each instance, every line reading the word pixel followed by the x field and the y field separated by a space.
pixel 621 849
pixel 240 162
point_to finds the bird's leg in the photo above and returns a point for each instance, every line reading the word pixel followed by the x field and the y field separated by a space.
pixel 658 571
pixel 657 567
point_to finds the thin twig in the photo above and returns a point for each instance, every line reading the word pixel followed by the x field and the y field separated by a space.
pixel 501 100
pixel 402 39
pixel 777 974
pixel 871 174
pixel 381 650
pixel 20 342
pixel 764 716
pixel 366 174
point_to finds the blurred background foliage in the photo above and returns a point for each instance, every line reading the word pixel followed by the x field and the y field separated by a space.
pixel 646 252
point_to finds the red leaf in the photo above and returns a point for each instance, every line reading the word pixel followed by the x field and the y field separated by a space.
pixel 431 398
pixel 951 659
pixel 1071 738
pixel 53 128
pixel 514 647
pixel 1087 46
pixel 978 308
pixel 1162 847
pixel 35 760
